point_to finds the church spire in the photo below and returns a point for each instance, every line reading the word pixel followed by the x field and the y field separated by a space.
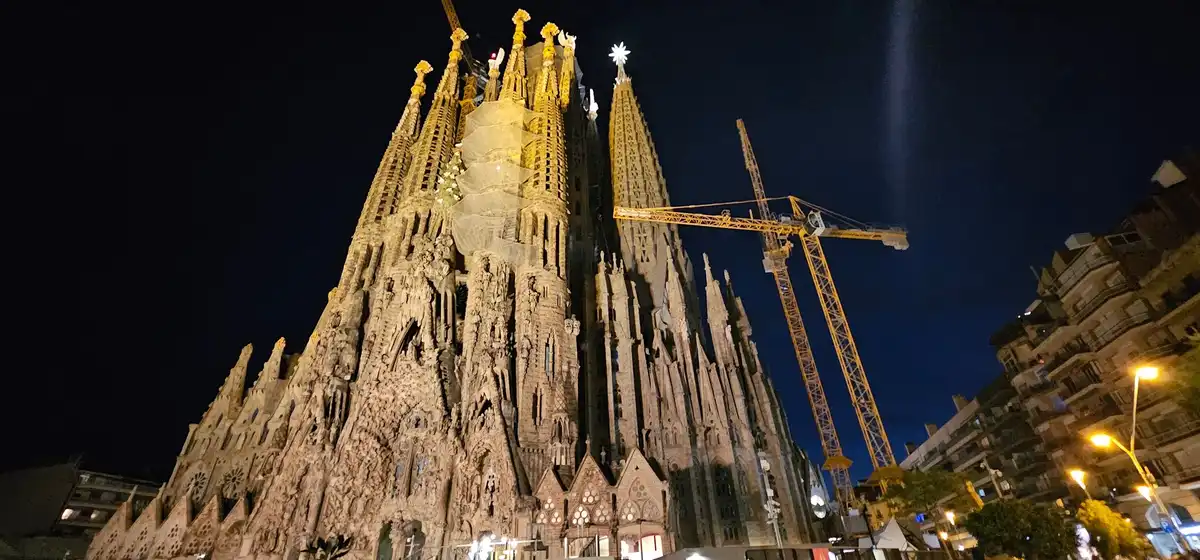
pixel 235 383
pixel 395 158
pixel 637 181
pixel 492 91
pixel 514 74
pixel 567 75
pixel 466 106
pixel 436 141
pixel 547 84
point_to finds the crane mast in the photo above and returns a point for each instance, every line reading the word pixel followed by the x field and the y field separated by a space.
pixel 775 254
pixel 839 328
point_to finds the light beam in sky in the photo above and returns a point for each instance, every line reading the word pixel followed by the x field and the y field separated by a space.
pixel 897 81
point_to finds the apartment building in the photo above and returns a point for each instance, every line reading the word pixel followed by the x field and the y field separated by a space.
pixel 1105 305
pixel 53 511
pixel 990 442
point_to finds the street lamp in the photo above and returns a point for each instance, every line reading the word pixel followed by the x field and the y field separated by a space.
pixel 1080 478
pixel 950 517
pixel 1150 491
pixel 1149 373
pixel 946 546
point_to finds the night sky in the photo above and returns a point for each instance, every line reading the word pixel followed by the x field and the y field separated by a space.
pixel 184 178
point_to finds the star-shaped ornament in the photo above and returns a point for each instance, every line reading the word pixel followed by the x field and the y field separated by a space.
pixel 619 54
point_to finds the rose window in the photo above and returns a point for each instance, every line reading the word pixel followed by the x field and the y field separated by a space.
pixel 580 517
pixel 589 497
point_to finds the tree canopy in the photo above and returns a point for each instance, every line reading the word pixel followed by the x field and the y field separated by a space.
pixel 1111 534
pixel 921 492
pixel 1019 528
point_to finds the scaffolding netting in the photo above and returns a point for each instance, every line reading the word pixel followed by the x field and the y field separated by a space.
pixel 485 217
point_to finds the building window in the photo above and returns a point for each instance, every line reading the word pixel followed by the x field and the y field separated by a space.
pixel 99 515
pixel 69 514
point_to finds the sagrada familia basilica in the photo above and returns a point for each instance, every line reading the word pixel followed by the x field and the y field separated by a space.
pixel 498 361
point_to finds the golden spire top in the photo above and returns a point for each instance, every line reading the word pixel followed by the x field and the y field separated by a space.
pixel 567 75
pixel 513 86
pixel 519 20
pixel 448 87
pixel 548 32
pixel 456 40
pixel 418 87
pixel 619 55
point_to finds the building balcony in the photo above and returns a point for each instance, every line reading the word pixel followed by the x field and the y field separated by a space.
pixel 1085 309
pixel 1158 352
pixel 1078 348
pixel 1079 269
pixel 1105 337
pixel 1172 435
pixel 1184 476
pixel 1099 416
pixel 1149 397
pixel 1039 388
pixel 1045 332
pixel 1044 416
pixel 1083 391
pixel 1173 301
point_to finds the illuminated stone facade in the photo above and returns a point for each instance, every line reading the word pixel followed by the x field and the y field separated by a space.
pixel 496 358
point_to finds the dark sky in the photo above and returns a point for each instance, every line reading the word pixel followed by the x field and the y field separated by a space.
pixel 185 178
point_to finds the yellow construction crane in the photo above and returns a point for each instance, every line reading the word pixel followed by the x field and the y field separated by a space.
pixel 809 226
pixel 473 65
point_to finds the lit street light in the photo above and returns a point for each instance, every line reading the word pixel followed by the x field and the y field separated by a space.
pixel 1102 440
pixel 1149 373
pixel 1080 478
pixel 1150 491
pixel 950 517
pixel 946 546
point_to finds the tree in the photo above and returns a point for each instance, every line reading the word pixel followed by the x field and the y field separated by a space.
pixel 1111 534
pixel 1019 528
pixel 1183 380
pixel 922 492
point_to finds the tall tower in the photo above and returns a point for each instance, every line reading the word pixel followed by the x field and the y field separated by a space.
pixel 652 252
pixel 548 362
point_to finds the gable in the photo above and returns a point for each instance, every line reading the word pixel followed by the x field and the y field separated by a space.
pixel 640 492
pixel 169 537
pixel 202 533
pixel 141 535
